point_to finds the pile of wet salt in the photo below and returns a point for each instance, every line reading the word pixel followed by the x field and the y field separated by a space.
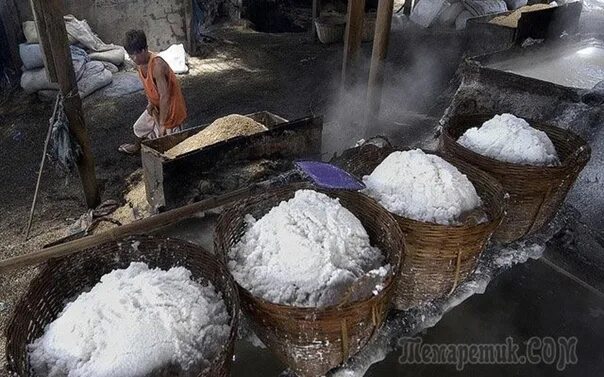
pixel 308 251
pixel 508 138
pixel 134 322
pixel 422 187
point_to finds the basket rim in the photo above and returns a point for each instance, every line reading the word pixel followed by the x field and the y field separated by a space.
pixel 541 126
pixel 389 281
pixel 331 20
pixel 41 277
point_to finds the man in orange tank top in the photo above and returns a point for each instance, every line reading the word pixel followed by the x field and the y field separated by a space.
pixel 166 109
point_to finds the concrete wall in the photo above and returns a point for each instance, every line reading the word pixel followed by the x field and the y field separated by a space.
pixel 165 21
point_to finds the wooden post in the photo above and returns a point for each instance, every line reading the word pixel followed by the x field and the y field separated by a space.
pixel 9 18
pixel 145 225
pixel 380 47
pixel 37 7
pixel 49 17
pixel 316 11
pixel 352 40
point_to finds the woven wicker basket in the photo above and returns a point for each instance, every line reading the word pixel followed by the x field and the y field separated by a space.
pixel 63 279
pixel 437 257
pixel 312 341
pixel 330 29
pixel 536 192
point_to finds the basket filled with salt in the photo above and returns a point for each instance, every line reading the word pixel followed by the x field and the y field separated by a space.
pixel 447 210
pixel 536 163
pixel 315 271
pixel 143 306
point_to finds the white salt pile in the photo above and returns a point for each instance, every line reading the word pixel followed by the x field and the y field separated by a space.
pixel 308 252
pixel 133 322
pixel 510 139
pixel 422 187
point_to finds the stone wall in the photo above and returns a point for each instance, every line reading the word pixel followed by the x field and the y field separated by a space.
pixel 165 22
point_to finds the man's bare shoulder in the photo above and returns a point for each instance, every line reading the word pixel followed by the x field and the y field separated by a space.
pixel 160 66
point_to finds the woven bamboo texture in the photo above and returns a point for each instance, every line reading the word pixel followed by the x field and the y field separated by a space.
pixel 330 29
pixel 62 280
pixel 437 257
pixel 536 192
pixel 311 341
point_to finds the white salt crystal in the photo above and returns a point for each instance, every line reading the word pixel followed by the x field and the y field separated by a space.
pixel 305 252
pixel 510 139
pixel 133 322
pixel 422 187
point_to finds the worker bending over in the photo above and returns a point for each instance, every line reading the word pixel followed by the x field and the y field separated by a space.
pixel 166 109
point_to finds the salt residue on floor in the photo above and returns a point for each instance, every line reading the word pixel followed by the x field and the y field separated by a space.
pixel 133 322
pixel 307 252
pixel 422 187
pixel 508 138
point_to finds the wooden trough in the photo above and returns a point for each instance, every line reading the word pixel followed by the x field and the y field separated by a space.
pixel 485 37
pixel 167 180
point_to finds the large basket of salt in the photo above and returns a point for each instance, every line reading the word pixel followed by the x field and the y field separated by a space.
pixel 536 190
pixel 315 330
pixel 439 255
pixel 141 306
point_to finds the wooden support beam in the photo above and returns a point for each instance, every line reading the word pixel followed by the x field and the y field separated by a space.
pixel 37 7
pixel 56 47
pixel 380 48
pixel 145 225
pixel 316 11
pixel 9 18
pixel 352 41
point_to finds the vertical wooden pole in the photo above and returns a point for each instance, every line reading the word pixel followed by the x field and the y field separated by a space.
pixel 49 17
pixel 37 8
pixel 380 47
pixel 9 18
pixel 316 10
pixel 352 40
pixel 188 25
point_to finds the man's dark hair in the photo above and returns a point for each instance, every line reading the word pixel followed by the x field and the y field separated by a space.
pixel 135 41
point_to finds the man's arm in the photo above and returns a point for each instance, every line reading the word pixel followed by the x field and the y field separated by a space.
pixel 160 74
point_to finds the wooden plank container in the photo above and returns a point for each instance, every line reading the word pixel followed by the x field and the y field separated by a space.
pixel 485 37
pixel 167 180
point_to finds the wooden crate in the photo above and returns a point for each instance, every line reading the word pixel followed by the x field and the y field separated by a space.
pixel 484 37
pixel 167 181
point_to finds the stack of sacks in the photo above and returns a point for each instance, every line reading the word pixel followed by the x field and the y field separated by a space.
pixel 91 75
pixel 93 60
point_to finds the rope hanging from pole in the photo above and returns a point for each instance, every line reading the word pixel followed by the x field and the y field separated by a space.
pixel 65 148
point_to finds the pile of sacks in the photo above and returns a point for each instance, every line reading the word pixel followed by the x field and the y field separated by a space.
pixel 455 13
pixel 94 61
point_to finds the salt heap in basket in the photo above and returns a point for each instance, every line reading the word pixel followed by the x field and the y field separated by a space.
pixel 135 322
pixel 307 252
pixel 423 187
pixel 508 138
